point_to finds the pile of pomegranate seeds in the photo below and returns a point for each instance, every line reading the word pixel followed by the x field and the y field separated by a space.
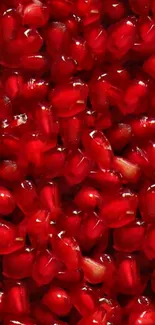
pixel 77 162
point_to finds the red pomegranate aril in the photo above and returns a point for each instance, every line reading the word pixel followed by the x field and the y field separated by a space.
pixel 46 121
pixel 119 210
pixel 35 63
pixel 98 148
pixel 77 167
pixel 16 300
pixel 95 272
pixel 92 233
pixel 26 189
pixel 60 8
pixel 128 276
pixel 130 238
pixel 105 178
pixel 136 154
pixel 136 97
pixel 58 301
pixel 35 89
pixel 73 24
pixel 81 54
pixel 90 11
pixel 28 41
pixel 10 240
pixel 114 10
pixel 121 38
pixel 113 310
pixel 88 198
pixel 137 304
pixel 149 66
pixel 7 202
pixel 35 15
pixel 53 162
pixel 146 317
pixel 69 99
pixel 50 199
pixel 14 85
pixel 38 228
pixel 148 244
pixel 71 130
pixel 129 171
pixel 98 317
pixel 10 171
pixel 1 305
pixel 57 38
pixel 143 127
pixel 45 268
pixel 70 277
pixel 6 107
pixel 83 299
pixel 96 38
pixel 66 66
pixel 66 249
pixel 42 314
pixel 146 203
pixel 10 22
pixel 140 7
pixel 70 220
pixel 119 136
pixel 18 265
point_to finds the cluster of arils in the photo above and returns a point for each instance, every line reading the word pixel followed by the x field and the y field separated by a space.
pixel 77 162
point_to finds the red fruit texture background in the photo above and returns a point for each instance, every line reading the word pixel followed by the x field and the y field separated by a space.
pixel 77 162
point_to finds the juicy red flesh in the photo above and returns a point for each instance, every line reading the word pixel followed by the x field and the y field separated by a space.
pixel 77 162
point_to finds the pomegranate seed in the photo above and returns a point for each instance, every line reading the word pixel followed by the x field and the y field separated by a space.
pixel 96 39
pixel 128 276
pixel 130 238
pixel 10 240
pixel 121 38
pixel 50 199
pixel 83 299
pixel 71 130
pixel 77 167
pixel 67 250
pixel 18 265
pixel 119 136
pixel 98 147
pixel 148 244
pixel 140 7
pixel 88 198
pixel 45 268
pixel 38 228
pixel 119 210
pixel 146 203
pixel 35 63
pixel 7 203
pixel 13 86
pixel 26 189
pixel 130 172
pixel 113 310
pixel 16 300
pixel 57 38
pixel 35 15
pixel 58 301
pixel 114 10
pixel 70 98
pixel 98 317
pixel 66 66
